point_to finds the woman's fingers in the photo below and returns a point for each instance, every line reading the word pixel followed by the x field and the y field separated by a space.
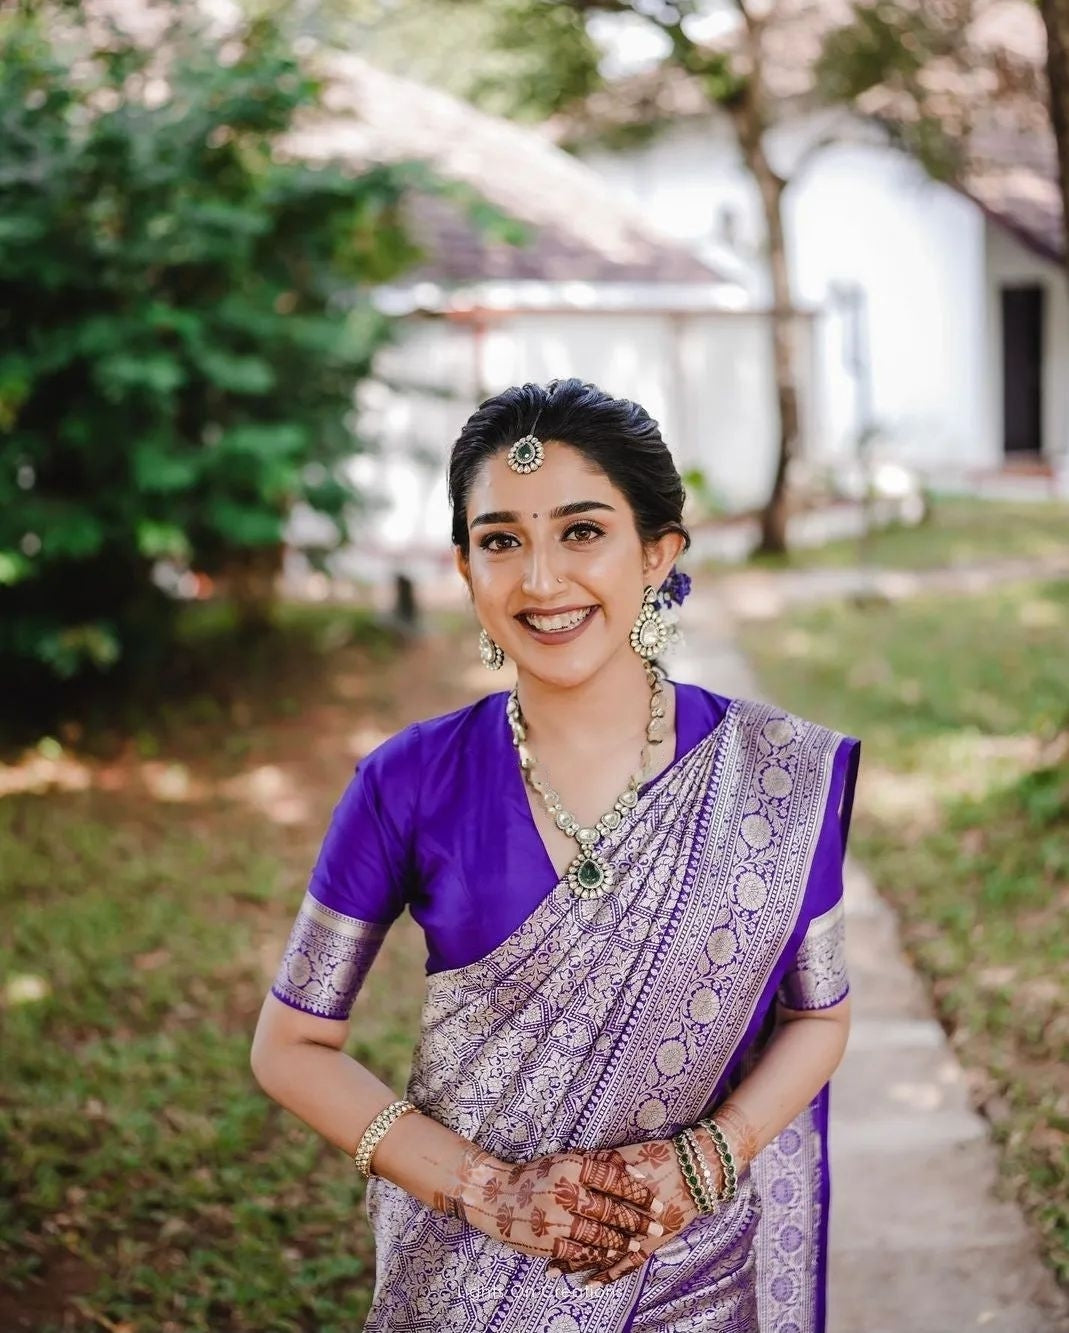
pixel 600 1235
pixel 620 1269
pixel 570 1256
pixel 607 1208
pixel 608 1173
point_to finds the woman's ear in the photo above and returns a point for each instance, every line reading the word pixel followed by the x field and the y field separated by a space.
pixel 660 556
pixel 463 567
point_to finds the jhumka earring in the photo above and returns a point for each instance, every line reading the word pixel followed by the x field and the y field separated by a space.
pixel 526 455
pixel 650 632
pixel 490 652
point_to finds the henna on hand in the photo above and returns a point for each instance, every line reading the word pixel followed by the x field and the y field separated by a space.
pixel 608 1172
pixel 569 1256
pixel 450 1205
pixel 604 1208
pixel 584 1209
pixel 626 1265
pixel 662 1166
pixel 740 1133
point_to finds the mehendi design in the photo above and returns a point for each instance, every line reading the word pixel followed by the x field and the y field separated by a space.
pixel 450 1205
pixel 537 1210
pixel 505 1218
pixel 656 1150
pixel 741 1134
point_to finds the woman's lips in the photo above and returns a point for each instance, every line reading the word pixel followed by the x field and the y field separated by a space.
pixel 561 635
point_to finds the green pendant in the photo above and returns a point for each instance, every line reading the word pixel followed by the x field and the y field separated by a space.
pixel 590 876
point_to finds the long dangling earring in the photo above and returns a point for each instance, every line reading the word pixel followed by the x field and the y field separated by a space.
pixel 490 652
pixel 650 632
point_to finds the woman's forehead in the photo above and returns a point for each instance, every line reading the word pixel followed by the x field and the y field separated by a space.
pixel 558 480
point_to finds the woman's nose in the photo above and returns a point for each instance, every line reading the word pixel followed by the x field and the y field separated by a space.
pixel 540 577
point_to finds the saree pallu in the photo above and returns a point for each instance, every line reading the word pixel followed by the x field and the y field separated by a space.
pixel 622 1019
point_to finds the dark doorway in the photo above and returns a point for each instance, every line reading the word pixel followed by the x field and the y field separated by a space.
pixel 1022 370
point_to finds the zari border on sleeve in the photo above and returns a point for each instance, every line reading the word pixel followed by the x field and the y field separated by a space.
pixel 326 960
pixel 818 977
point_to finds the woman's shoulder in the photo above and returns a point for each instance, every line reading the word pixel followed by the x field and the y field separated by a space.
pixel 757 718
pixel 420 743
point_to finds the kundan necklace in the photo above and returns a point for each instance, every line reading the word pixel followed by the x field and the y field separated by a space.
pixel 590 875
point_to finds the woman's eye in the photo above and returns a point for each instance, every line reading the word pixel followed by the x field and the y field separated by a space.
pixel 497 541
pixel 585 532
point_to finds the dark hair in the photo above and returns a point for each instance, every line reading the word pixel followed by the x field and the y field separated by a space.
pixel 618 436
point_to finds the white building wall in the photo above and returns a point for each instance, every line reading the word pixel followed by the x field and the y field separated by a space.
pixel 859 215
pixel 1010 264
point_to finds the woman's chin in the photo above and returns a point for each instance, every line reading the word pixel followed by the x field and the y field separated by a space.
pixel 564 670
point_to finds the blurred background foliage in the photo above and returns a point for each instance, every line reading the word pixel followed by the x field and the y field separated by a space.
pixel 184 321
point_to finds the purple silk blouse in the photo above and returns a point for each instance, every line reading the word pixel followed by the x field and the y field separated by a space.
pixel 437 819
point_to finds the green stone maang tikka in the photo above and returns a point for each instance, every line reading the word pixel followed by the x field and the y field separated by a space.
pixel 526 455
pixel 590 875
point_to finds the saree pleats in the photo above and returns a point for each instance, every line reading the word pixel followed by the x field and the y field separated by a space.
pixel 616 1020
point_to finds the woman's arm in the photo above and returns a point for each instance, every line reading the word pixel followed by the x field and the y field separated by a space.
pixel 298 1060
pixel 580 1208
pixel 800 1058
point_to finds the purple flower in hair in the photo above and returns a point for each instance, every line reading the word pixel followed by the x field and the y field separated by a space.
pixel 674 590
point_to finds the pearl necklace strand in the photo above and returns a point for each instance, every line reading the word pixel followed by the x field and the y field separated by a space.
pixel 589 874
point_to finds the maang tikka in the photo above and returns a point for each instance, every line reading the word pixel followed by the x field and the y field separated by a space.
pixel 527 454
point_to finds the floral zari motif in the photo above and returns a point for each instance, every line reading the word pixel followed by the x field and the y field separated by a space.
pixel 818 978
pixel 327 957
pixel 614 1021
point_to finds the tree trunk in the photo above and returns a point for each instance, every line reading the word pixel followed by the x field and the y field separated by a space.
pixel 1056 19
pixel 749 128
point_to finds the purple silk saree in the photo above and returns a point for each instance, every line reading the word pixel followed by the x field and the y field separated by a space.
pixel 552 1023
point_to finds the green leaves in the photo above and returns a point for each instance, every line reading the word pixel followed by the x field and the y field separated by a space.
pixel 896 48
pixel 185 319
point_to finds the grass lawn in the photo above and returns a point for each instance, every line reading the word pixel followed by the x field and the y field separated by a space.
pixel 146 886
pixel 959 531
pixel 962 704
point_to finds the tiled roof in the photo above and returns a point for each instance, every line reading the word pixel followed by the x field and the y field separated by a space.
pixel 578 227
pixel 1011 170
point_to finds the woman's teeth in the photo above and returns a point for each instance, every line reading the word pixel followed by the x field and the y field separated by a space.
pixel 557 624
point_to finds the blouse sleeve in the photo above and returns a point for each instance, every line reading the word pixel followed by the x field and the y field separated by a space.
pixel 359 885
pixel 817 978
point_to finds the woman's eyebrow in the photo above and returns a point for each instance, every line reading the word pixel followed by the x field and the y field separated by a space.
pixel 561 511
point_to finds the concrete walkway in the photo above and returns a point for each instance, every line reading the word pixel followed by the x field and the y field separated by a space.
pixel 920 1241
pixel 762 594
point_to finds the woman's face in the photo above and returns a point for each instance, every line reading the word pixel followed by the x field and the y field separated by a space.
pixel 555 566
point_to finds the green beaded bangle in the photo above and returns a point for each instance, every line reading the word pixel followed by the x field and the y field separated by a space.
pixel 704 1203
pixel 698 1156
pixel 727 1162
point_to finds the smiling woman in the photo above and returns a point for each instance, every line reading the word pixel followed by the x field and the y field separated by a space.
pixel 631 894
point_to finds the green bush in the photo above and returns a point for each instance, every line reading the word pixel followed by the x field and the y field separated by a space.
pixel 183 321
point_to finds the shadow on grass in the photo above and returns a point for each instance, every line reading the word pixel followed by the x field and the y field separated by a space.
pixel 209 667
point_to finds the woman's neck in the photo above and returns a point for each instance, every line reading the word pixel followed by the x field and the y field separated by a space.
pixel 611 707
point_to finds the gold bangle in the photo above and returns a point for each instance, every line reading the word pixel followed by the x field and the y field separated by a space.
pixel 376 1132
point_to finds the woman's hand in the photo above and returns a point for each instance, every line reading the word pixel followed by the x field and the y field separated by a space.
pixel 581 1210
pixel 658 1163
